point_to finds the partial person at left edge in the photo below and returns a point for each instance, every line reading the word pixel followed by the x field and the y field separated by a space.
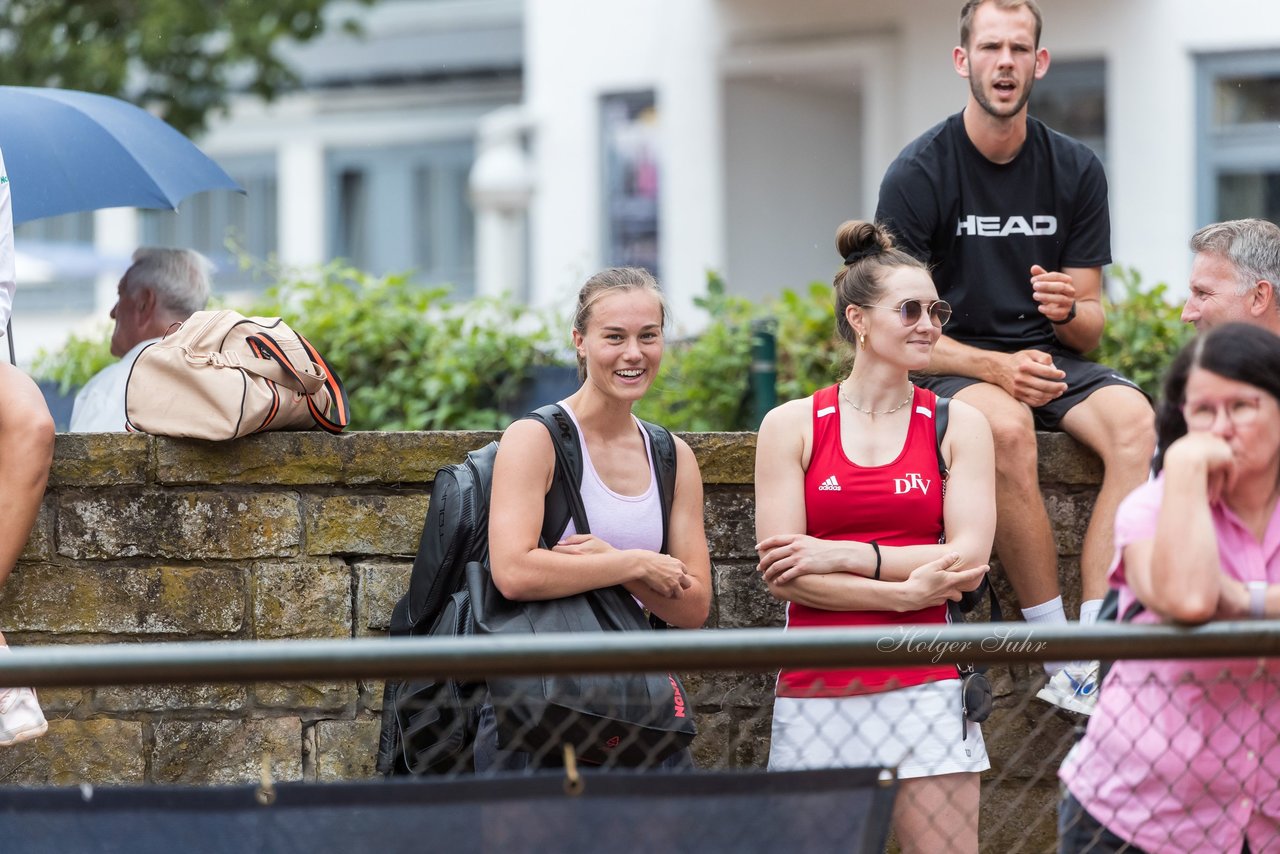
pixel 26 453
pixel 162 288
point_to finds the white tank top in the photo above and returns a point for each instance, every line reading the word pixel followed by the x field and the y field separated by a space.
pixel 622 521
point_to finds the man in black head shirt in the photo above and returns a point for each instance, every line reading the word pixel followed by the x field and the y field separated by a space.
pixel 1012 218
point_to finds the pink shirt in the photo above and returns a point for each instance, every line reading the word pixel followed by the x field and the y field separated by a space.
pixel 1185 755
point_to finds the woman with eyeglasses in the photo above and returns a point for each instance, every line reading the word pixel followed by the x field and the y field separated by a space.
pixel 857 528
pixel 1185 755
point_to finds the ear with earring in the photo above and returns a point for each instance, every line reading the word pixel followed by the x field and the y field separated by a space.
pixel 851 316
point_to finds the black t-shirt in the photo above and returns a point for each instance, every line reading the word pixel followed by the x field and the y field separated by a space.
pixel 981 225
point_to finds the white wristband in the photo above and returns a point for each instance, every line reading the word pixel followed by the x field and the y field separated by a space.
pixel 1257 599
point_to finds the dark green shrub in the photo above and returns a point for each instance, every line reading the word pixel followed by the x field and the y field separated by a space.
pixel 410 358
pixel 810 353
pixel 1144 330
pixel 81 356
pixel 705 381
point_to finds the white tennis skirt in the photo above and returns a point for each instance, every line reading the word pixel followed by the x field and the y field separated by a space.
pixel 919 731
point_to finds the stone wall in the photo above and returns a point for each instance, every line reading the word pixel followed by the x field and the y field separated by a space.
pixel 306 535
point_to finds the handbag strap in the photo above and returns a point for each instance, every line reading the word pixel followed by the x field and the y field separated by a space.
pixel 337 393
pixel 663 456
pixel 569 464
pixel 264 366
pixel 1110 612
pixel 941 414
pixel 270 348
pixel 568 473
pixel 568 467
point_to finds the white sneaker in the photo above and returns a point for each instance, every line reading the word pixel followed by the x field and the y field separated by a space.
pixel 20 716
pixel 1074 688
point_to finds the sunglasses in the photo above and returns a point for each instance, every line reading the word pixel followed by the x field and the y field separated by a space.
pixel 910 311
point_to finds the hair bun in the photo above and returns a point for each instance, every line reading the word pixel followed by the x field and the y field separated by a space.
pixel 858 239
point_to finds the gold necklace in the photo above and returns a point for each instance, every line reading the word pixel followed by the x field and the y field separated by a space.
pixel 905 401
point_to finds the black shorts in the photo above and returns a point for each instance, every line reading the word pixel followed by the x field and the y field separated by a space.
pixel 1083 378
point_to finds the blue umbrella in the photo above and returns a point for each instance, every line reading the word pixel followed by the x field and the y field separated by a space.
pixel 68 151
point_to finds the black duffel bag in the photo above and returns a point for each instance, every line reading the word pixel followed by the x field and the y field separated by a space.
pixel 622 719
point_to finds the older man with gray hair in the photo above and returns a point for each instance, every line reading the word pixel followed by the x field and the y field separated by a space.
pixel 1234 275
pixel 162 288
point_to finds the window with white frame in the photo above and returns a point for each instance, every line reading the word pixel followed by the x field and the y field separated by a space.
pixel 65 265
pixel 221 224
pixel 405 210
pixel 1238 110
pixel 68 228
pixel 1072 99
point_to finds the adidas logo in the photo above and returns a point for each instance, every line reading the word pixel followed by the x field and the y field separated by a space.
pixel 830 484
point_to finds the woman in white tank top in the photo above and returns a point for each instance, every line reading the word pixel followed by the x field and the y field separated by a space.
pixel 618 335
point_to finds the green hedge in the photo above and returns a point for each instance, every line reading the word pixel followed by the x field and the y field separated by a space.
pixel 412 359
pixel 703 384
pixel 1144 330
pixel 409 357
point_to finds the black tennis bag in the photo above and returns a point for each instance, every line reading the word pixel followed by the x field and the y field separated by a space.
pixel 429 725
pixel 632 720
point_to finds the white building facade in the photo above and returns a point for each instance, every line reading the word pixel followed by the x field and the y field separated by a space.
pixel 516 146
pixel 776 120
pixel 368 160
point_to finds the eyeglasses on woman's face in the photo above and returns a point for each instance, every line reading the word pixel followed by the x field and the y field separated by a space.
pixel 910 311
pixel 1203 414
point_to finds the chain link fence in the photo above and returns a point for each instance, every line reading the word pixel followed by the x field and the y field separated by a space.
pixel 498 733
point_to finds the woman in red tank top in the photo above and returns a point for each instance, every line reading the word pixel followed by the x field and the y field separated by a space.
pixel 851 515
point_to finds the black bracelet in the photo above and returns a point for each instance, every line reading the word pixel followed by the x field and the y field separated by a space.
pixel 876 549
pixel 1071 315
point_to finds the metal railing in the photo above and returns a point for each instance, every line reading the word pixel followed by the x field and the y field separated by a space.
pixel 725 649
pixel 183 730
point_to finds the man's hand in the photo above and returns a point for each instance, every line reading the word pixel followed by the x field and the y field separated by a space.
pixel 1055 292
pixel 1029 376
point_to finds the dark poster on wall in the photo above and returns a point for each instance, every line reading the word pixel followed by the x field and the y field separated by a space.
pixel 629 135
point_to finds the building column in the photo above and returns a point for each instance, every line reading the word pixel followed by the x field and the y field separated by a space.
pixel 301 202
pixel 691 226
pixel 117 232
pixel 501 185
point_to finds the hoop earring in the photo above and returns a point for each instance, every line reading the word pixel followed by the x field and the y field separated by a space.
pixel 862 340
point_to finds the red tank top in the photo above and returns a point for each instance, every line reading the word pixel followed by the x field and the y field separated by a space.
pixel 896 504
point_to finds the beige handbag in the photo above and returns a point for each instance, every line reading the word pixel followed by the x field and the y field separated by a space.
pixel 221 375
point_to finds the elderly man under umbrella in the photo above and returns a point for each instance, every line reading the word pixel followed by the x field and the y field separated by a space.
pixel 26 452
